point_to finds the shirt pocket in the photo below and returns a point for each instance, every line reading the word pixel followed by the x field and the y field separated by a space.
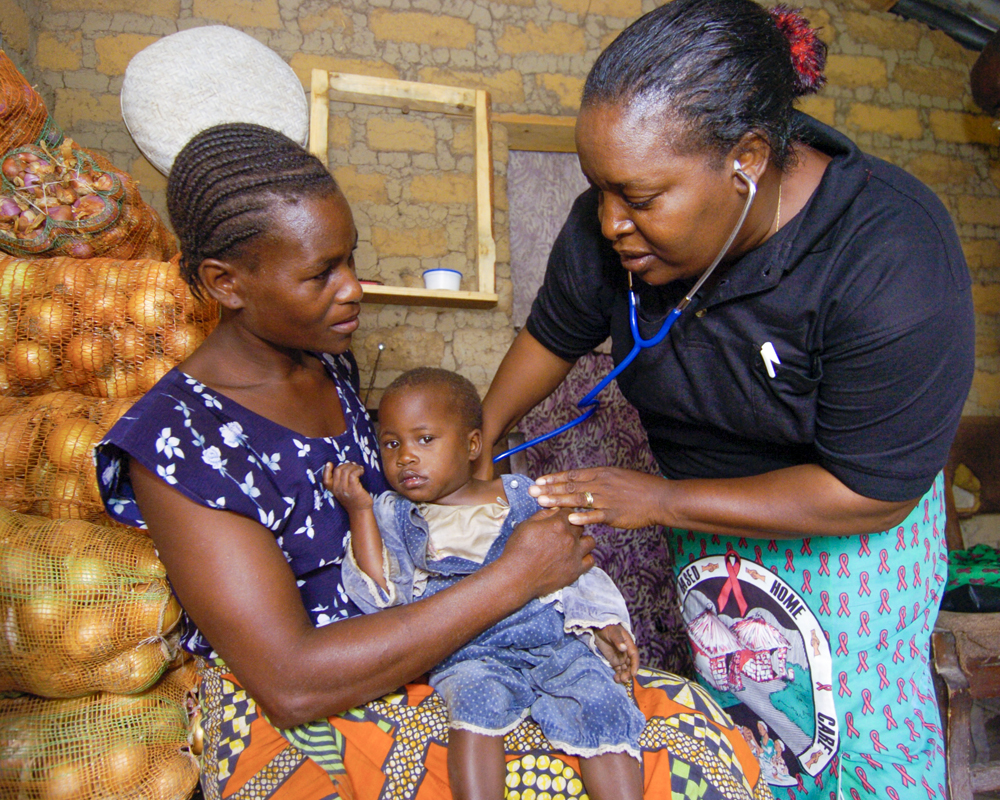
pixel 784 404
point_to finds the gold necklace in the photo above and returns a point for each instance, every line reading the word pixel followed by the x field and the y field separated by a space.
pixel 777 216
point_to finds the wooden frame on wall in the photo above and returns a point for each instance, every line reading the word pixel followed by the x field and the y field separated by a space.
pixel 409 95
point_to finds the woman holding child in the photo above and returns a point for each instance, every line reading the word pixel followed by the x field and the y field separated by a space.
pixel 802 407
pixel 223 462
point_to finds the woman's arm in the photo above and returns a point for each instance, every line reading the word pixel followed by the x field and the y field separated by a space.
pixel 234 582
pixel 790 503
pixel 527 375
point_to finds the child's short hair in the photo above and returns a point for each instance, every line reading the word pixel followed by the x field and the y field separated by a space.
pixel 468 406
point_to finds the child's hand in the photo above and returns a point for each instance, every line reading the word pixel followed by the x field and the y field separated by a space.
pixel 618 647
pixel 344 481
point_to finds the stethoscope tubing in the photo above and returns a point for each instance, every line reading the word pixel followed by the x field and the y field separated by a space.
pixel 589 404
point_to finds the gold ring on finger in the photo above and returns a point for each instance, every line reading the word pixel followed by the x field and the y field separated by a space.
pixel 589 498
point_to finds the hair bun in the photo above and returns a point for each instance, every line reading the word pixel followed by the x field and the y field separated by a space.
pixel 808 50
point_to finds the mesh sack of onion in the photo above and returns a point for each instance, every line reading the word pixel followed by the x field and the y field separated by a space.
pixel 83 609
pixel 46 454
pixel 104 746
pixel 65 200
pixel 101 327
pixel 23 116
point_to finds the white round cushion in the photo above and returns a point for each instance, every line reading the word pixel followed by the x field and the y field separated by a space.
pixel 195 79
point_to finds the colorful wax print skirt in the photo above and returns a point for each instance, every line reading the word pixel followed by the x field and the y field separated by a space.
pixel 819 651
pixel 396 747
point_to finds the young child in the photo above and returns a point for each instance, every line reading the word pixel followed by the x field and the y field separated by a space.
pixel 440 524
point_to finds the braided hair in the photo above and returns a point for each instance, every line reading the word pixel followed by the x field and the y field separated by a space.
pixel 223 184
pixel 464 397
pixel 723 67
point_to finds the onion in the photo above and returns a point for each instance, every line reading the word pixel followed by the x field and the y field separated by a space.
pixel 19 278
pixel 80 249
pixel 152 309
pixel 12 167
pixel 8 329
pixel 147 564
pixel 16 434
pixel 9 209
pixel 87 576
pixel 32 362
pixel 152 369
pixel 98 305
pixel 182 341
pixel 174 778
pixel 119 382
pixel 92 633
pixel 68 276
pixel 114 411
pixel 70 445
pixel 131 344
pixel 70 780
pixel 49 320
pixel 197 737
pixel 42 616
pixel 67 378
pixel 153 613
pixel 133 670
pixel 18 567
pixel 89 206
pixel 89 351
pixel 122 767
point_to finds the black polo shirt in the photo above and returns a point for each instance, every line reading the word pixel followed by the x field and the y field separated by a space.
pixel 865 299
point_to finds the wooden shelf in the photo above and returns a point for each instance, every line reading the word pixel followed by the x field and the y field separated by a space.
pixel 428 297
pixel 409 95
pixel 539 132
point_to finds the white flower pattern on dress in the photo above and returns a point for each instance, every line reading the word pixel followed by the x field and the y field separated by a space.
pixel 232 434
pixel 168 444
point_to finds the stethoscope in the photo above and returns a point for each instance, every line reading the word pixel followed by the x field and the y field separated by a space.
pixel 589 404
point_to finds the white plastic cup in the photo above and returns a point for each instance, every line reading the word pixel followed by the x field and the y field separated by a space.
pixel 450 279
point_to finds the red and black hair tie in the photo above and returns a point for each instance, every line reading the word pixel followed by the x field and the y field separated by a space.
pixel 808 50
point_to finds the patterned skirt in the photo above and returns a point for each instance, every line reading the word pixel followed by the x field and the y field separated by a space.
pixel 396 747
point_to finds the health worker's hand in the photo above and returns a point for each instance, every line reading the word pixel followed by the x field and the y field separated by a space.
pixel 620 498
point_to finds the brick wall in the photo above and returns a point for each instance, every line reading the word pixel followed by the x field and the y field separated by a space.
pixel 896 87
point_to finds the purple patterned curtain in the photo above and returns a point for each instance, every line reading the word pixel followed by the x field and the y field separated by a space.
pixel 638 561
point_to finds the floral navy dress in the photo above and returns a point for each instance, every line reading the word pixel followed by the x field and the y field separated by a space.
pixel 222 455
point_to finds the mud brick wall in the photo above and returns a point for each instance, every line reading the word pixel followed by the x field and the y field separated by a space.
pixel 896 87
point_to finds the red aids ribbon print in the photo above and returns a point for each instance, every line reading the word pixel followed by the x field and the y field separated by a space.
pixel 864 590
pixel 890 723
pixel 806 585
pixel 907 780
pixel 842 678
pixel 842 640
pixel 901 684
pixel 883 678
pixel 883 561
pixel 913 733
pixel 868 708
pixel 806 547
pixel 901 585
pixel 844 600
pixel 910 757
pixel 900 538
pixel 862 661
pixel 864 624
pixel 884 608
pixel 732 585
pixel 871 761
pixel 859 771
pixel 879 747
pixel 824 607
pixel 864 551
pixel 843 572
pixel 789 561
pixel 915 530
pixel 851 730
pixel 824 564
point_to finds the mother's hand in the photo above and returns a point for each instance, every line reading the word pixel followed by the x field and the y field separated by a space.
pixel 552 551
pixel 621 498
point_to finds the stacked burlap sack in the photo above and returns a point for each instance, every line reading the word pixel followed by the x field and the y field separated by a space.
pixel 95 700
